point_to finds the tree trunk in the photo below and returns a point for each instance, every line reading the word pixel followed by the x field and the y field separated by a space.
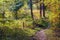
pixel 16 15
pixel 32 12
pixel 31 9
pixel 3 14
pixel 23 25
pixel 42 10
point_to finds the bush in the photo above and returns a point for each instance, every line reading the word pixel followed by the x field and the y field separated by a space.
pixel 7 33
pixel 42 22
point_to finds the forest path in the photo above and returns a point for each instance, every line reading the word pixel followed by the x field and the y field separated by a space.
pixel 40 35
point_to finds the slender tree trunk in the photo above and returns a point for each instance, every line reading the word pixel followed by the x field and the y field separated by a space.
pixel 32 12
pixel 16 15
pixel 3 14
pixel 37 3
pixel 42 9
pixel 31 9
pixel 23 25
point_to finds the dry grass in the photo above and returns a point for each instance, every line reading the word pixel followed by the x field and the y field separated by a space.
pixel 51 35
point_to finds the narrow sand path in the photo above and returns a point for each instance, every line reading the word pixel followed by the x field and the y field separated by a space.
pixel 40 35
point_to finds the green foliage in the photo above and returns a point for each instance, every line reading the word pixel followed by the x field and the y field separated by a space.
pixel 43 22
pixel 12 29
pixel 15 33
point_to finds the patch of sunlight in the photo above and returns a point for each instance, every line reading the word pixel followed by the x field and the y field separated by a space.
pixel 36 14
pixel 48 31
pixel 29 31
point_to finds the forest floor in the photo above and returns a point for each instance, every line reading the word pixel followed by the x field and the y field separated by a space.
pixel 46 34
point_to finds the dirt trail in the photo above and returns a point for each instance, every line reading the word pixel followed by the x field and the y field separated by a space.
pixel 40 35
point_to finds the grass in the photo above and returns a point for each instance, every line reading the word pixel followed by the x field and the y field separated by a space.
pixel 51 35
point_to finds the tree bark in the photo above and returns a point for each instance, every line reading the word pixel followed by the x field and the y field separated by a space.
pixel 42 9
pixel 16 15
pixel 32 12
pixel 3 14
pixel 31 9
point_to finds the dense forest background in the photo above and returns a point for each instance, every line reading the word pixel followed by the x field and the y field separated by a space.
pixel 20 19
